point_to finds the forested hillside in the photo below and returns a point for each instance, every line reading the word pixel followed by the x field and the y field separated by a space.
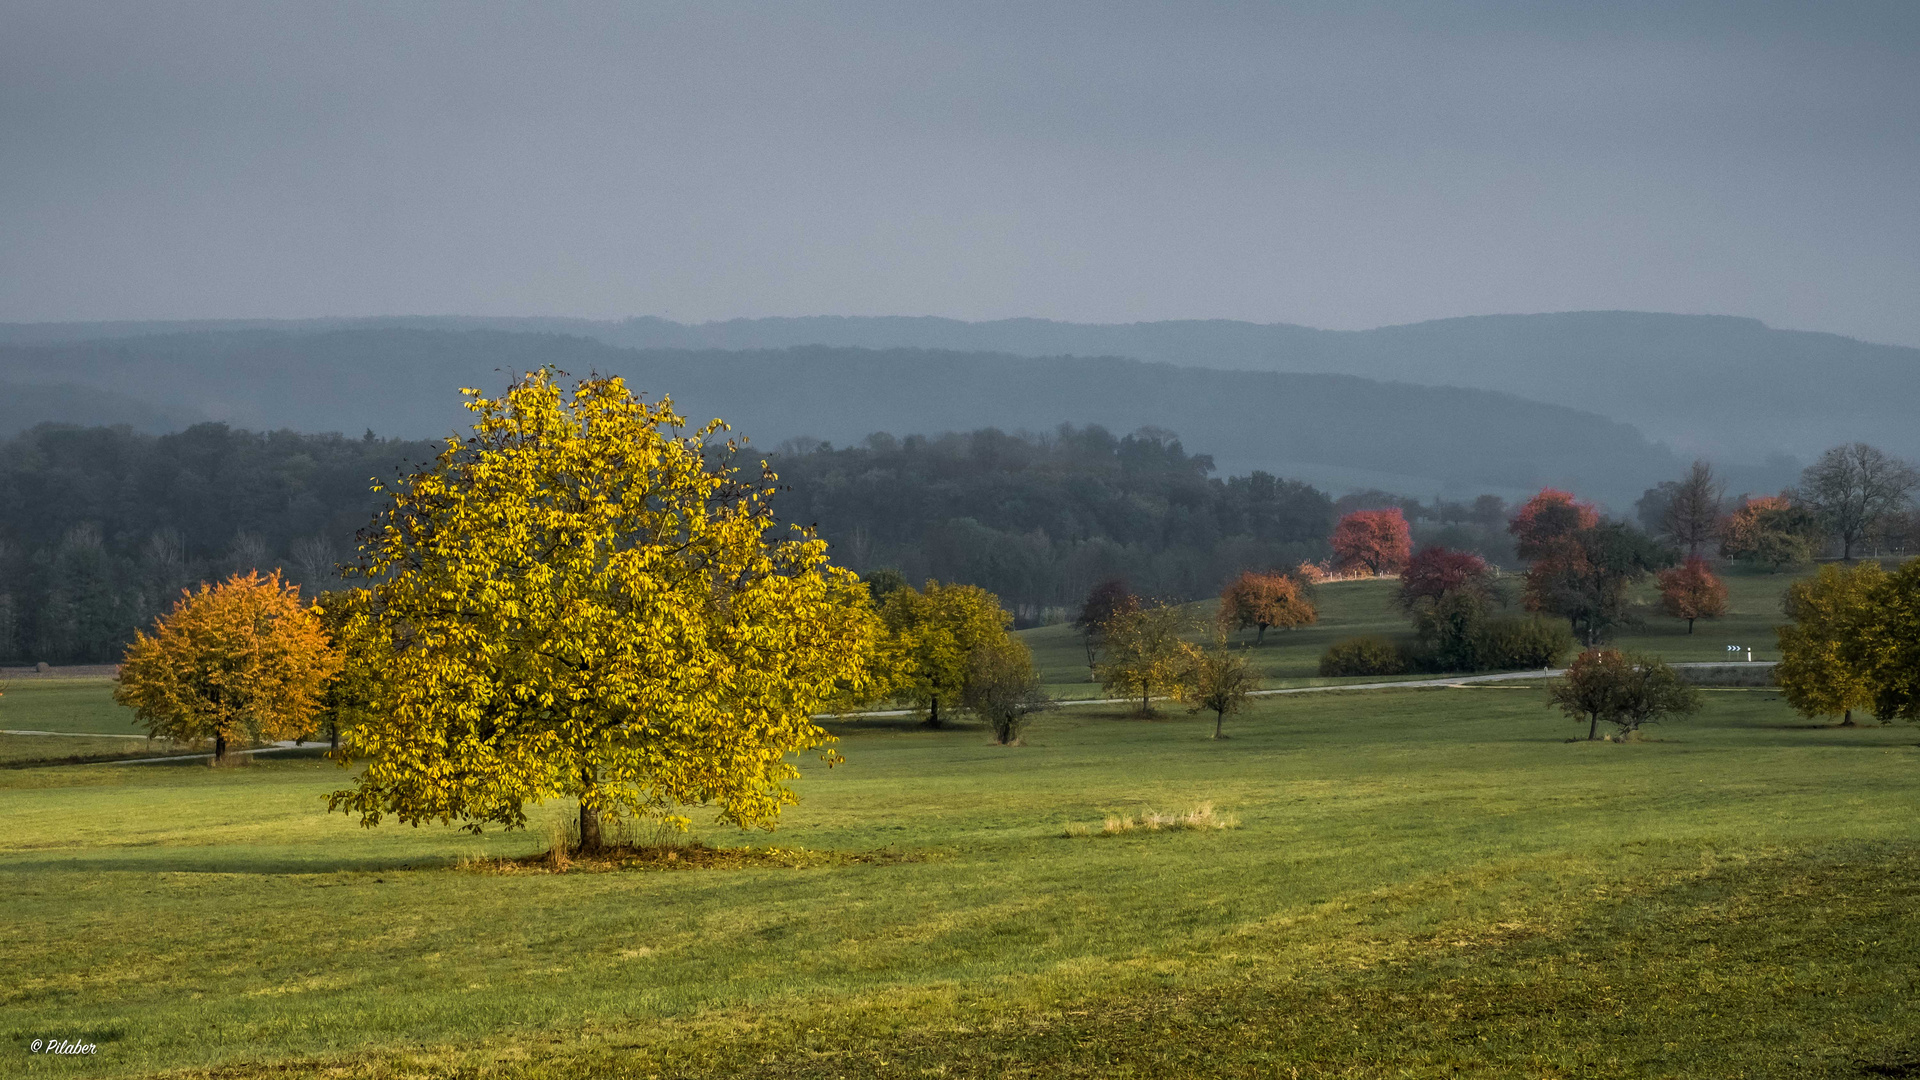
pixel 1039 520
pixel 100 528
pixel 1334 430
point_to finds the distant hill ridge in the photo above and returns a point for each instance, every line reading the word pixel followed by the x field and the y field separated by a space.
pixel 1727 387
pixel 1338 430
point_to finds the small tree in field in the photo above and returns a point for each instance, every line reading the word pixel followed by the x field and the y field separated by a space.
pixel 1376 541
pixel 240 659
pixel 1264 600
pixel 1823 668
pixel 1690 591
pixel 1144 653
pixel 1003 689
pixel 933 636
pixel 579 602
pixel 1217 679
pixel 1624 689
pixel 1106 600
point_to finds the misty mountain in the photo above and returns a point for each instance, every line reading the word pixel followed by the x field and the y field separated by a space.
pixel 1728 388
pixel 22 405
pixel 1338 430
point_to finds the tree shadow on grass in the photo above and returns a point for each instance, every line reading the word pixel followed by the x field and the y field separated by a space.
pixel 215 861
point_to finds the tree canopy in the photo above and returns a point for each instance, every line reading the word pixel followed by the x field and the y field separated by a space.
pixel 240 659
pixel 1627 690
pixel 1265 599
pixel 1145 653
pixel 1690 591
pixel 1377 541
pixel 1852 487
pixel 932 636
pixel 577 601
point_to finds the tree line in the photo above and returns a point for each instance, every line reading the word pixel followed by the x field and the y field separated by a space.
pixel 101 528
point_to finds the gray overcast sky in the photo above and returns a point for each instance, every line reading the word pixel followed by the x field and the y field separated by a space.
pixel 1339 165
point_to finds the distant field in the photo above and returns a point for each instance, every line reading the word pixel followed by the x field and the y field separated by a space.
pixel 1347 608
pixel 1423 883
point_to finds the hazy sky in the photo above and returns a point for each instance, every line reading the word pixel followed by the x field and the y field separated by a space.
pixel 1339 165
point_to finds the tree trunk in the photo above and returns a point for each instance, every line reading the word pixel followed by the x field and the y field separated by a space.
pixel 1146 702
pixel 1593 726
pixel 219 748
pixel 933 711
pixel 1689 626
pixel 1847 720
pixel 589 816
pixel 1219 718
pixel 1261 635
pixel 333 738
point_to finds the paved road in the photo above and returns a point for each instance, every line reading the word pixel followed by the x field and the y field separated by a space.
pixel 1451 680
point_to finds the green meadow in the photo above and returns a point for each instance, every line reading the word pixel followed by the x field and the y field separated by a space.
pixel 1419 883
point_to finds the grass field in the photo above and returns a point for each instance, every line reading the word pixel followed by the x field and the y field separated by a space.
pixel 1423 883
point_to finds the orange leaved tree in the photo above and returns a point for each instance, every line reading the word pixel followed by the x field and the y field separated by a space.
pixel 1690 591
pixel 242 658
pixel 1263 600
pixel 1376 541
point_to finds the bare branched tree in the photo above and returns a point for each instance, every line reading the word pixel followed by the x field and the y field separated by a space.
pixel 316 559
pixel 1853 487
pixel 1692 517
pixel 247 552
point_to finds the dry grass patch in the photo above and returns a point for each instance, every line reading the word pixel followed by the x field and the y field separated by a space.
pixel 1200 818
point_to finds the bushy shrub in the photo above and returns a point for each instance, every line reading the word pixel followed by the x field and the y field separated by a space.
pixel 1514 642
pixel 1369 655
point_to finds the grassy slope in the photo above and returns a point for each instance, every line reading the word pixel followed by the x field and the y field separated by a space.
pixel 1425 881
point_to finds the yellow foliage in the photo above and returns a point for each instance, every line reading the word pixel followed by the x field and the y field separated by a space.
pixel 1820 672
pixel 1144 652
pixel 1216 678
pixel 575 603
pixel 931 637
pixel 241 658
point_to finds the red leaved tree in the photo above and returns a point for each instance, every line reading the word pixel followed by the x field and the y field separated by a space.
pixel 1546 520
pixel 1436 572
pixel 1690 591
pixel 1265 600
pixel 1377 541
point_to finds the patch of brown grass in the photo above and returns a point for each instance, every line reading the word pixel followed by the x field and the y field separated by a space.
pixel 1200 818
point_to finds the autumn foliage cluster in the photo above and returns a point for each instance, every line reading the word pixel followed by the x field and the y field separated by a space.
pixel 1263 600
pixel 1853 643
pixel 238 660
pixel 1374 541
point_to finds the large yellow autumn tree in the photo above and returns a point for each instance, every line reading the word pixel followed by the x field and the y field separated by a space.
pixel 580 602
pixel 240 659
